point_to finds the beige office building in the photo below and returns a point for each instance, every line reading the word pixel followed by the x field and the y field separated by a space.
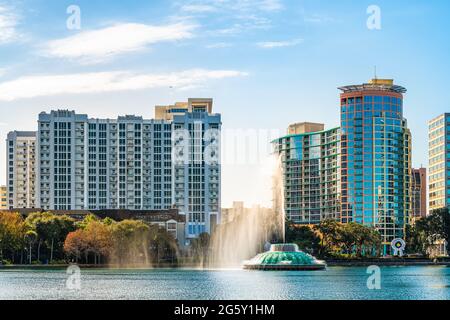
pixel 181 108
pixel 438 189
pixel 3 198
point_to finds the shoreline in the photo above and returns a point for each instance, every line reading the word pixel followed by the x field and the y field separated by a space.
pixel 330 263
pixel 366 263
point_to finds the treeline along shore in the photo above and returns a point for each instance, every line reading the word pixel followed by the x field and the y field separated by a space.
pixel 398 262
pixel 48 239
pixel 45 239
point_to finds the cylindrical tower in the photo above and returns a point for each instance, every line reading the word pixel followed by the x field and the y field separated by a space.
pixel 376 158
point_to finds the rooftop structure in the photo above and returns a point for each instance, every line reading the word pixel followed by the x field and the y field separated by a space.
pixel 376 85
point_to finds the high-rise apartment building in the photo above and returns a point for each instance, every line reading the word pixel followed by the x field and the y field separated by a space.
pixel 20 169
pixel 85 163
pixel 134 163
pixel 3 198
pixel 419 193
pixel 310 157
pixel 196 162
pixel 438 166
pixel 376 158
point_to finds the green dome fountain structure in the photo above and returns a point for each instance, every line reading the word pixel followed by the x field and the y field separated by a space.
pixel 284 257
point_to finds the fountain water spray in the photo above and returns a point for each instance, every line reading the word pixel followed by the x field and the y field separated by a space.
pixel 245 236
pixel 278 194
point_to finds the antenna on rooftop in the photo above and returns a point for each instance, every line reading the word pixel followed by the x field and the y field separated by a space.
pixel 375 70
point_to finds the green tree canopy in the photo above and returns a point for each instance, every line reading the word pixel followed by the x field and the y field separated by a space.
pixel 304 236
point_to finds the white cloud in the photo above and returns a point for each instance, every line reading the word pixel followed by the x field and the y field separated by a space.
pixel 279 44
pixel 319 19
pixel 269 5
pixel 8 23
pixel 219 45
pixel 98 82
pixel 240 15
pixel 100 45
pixel 232 5
pixel 198 8
pixel 246 22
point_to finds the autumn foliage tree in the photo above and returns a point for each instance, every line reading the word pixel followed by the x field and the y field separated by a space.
pixel 131 242
pixel 93 240
pixel 48 237
pixel 12 235
pixel 75 245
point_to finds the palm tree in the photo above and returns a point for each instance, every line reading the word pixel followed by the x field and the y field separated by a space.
pixel 30 238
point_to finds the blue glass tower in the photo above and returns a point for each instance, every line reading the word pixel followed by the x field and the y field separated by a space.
pixel 376 158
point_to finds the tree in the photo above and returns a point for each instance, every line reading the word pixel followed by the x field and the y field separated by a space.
pixel 329 231
pixel 200 247
pixel 12 231
pixel 428 230
pixel 99 238
pixel 32 221
pixel 162 245
pixel 305 237
pixel 131 241
pixel 30 237
pixel 350 238
pixel 87 220
pixel 76 244
pixel 357 239
pixel 376 242
pixel 94 238
pixel 437 225
pixel 55 228
pixel 51 229
pixel 126 242
pixel 415 237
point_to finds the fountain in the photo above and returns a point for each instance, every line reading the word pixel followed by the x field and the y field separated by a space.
pixel 284 257
pixel 244 237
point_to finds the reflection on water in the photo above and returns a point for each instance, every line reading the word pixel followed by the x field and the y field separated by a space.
pixel 335 283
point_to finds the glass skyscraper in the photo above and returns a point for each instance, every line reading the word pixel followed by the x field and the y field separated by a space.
pixel 376 158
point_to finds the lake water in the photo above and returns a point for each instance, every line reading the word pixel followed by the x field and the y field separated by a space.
pixel 349 283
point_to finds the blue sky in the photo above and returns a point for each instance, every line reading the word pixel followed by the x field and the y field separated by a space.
pixel 266 63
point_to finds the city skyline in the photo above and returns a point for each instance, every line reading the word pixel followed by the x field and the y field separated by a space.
pixel 198 60
pixel 224 155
